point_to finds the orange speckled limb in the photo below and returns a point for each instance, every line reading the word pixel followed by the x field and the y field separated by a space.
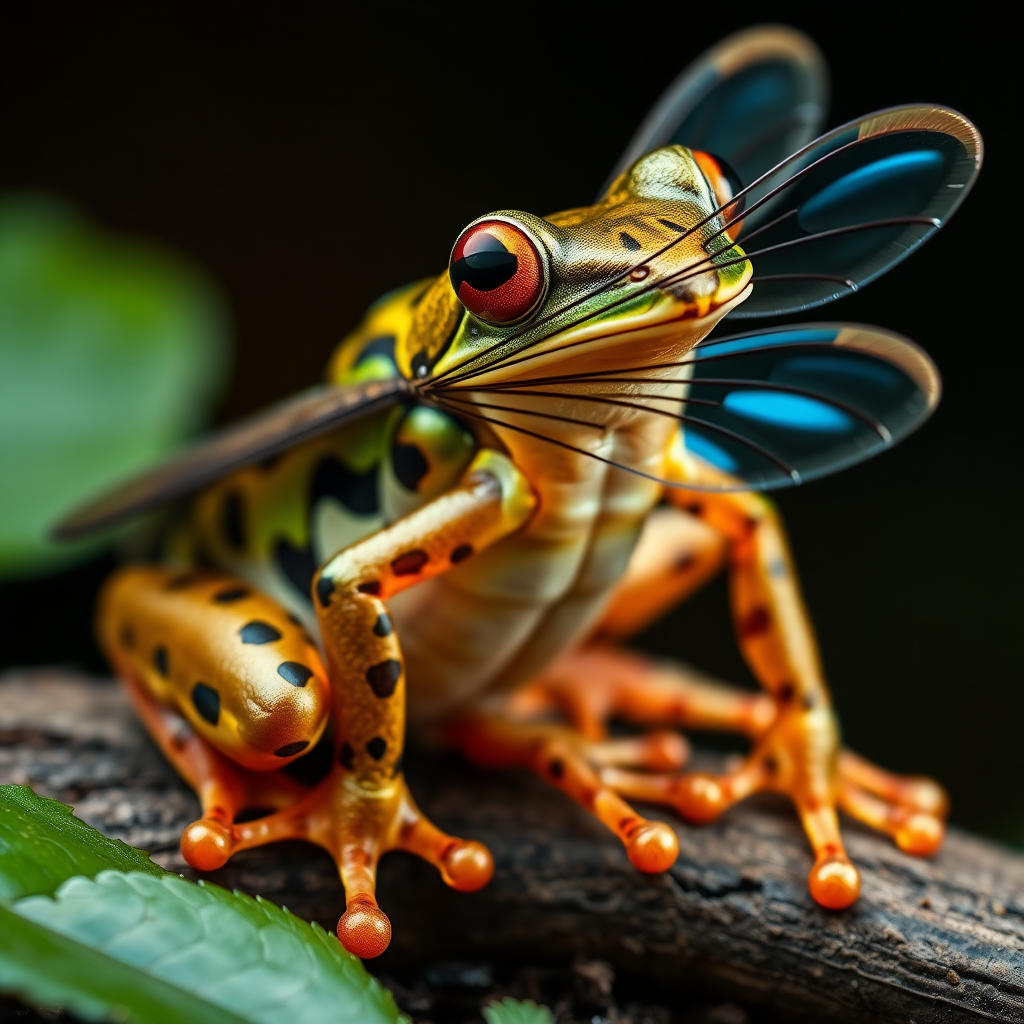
pixel 562 757
pixel 799 754
pixel 169 634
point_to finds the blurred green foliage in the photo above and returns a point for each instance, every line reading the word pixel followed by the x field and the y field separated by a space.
pixel 111 353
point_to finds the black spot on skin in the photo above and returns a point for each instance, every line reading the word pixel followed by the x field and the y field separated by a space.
pixel 756 622
pixel 371 587
pixel 399 764
pixel 231 594
pixel 671 224
pixel 252 814
pixel 409 464
pixel 461 553
pixel 160 661
pixel 206 701
pixel 382 345
pixel 684 562
pixel 557 768
pixel 183 580
pixel 628 242
pixel 127 636
pixel 785 692
pixel 382 627
pixel 695 508
pixel 324 590
pixel 771 766
pixel 291 749
pixel 295 620
pixel 377 747
pixel 232 520
pixel 383 677
pixel 298 566
pixel 294 672
pixel 410 563
pixel 257 632
pixel 357 492
pixel 346 756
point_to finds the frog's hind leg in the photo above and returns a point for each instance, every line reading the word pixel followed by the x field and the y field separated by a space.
pixel 231 688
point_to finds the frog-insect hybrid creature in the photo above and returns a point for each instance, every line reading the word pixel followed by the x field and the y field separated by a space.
pixel 520 462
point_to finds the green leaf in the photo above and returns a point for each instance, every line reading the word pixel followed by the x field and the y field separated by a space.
pixel 141 944
pixel 111 352
pixel 512 1011
pixel 42 844
pixel 244 956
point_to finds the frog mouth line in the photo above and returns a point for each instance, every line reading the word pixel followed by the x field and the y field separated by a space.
pixel 591 338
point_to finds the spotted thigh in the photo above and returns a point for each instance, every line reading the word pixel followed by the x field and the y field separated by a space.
pixel 245 674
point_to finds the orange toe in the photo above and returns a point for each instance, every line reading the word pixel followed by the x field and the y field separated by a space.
pixel 207 844
pixel 364 929
pixel 653 848
pixel 921 834
pixel 700 798
pixel 467 866
pixel 834 883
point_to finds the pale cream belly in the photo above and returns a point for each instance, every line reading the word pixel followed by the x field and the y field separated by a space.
pixel 495 622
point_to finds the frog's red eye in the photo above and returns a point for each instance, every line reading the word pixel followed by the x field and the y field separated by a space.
pixel 497 272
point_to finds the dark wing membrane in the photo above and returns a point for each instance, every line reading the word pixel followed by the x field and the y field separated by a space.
pixel 282 426
pixel 851 205
pixel 775 408
pixel 753 99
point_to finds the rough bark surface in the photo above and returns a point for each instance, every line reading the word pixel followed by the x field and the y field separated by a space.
pixel 929 941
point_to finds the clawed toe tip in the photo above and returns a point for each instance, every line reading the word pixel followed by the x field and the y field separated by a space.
pixel 207 844
pixel 364 930
pixel 653 848
pixel 468 866
pixel 834 883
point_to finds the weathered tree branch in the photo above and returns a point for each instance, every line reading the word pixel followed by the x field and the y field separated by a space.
pixel 927 942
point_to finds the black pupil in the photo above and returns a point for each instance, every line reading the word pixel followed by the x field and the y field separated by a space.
pixel 487 268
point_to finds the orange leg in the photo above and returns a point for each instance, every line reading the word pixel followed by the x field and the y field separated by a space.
pixel 561 756
pixel 242 647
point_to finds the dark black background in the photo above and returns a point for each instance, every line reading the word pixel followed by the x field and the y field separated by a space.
pixel 312 157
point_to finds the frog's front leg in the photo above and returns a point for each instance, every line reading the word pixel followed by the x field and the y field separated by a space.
pixel 231 688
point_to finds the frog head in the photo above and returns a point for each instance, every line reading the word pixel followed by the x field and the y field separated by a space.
pixel 632 281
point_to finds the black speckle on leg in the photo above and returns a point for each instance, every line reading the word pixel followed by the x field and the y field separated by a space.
pixel 557 768
pixel 257 632
pixel 461 553
pixel 231 594
pixel 371 587
pixel 410 465
pixel 127 636
pixel 206 701
pixel 294 672
pixel 291 749
pixel 383 678
pixel 382 627
pixel 297 564
pixel 399 765
pixel 160 662
pixel 785 691
pixel 346 756
pixel 232 520
pixel 355 491
pixel 377 747
pixel 410 563
pixel 324 590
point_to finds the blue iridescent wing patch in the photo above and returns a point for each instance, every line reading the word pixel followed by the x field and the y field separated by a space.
pixel 752 100
pixel 775 408
pixel 851 205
